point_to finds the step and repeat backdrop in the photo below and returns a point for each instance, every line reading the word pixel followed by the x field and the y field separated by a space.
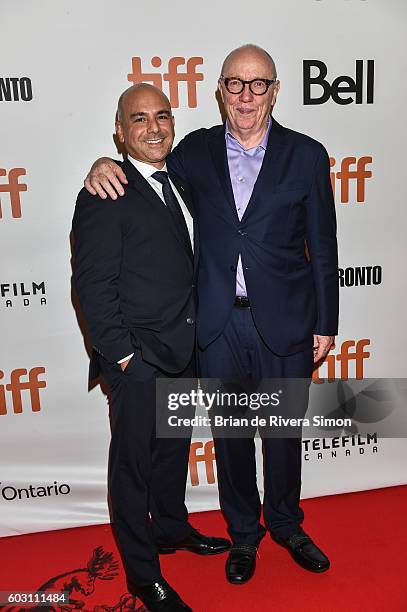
pixel 342 69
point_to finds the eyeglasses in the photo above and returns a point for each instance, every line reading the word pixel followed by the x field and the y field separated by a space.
pixel 258 87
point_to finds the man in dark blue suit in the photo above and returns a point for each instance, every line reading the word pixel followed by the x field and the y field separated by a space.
pixel 134 270
pixel 267 285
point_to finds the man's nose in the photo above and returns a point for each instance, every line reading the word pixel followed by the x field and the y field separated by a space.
pixel 246 95
pixel 153 126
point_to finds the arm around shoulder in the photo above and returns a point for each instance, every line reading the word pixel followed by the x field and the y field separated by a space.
pixel 105 178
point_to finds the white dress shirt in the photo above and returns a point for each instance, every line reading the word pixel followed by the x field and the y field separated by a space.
pixel 146 170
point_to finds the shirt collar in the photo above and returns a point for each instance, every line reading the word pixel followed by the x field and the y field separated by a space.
pixel 146 170
pixel 263 144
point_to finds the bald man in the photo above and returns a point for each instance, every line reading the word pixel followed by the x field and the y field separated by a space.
pixel 135 265
pixel 267 285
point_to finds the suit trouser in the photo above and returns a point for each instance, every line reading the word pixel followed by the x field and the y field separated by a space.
pixel 147 475
pixel 240 353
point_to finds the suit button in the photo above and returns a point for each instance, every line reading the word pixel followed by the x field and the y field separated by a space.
pixel 190 321
pixel 233 268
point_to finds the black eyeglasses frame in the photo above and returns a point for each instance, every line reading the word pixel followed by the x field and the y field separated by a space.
pixel 267 82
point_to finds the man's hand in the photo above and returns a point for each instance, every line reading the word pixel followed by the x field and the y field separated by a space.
pixel 322 344
pixel 124 364
pixel 105 178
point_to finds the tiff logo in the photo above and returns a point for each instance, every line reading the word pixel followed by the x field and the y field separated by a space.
pixel 359 174
pixel 350 350
pixel 14 188
pixel 207 457
pixel 16 386
pixel 173 77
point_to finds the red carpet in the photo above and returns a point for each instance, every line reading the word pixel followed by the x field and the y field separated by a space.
pixel 365 535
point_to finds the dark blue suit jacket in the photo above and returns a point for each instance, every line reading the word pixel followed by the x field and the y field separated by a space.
pixel 291 212
pixel 134 276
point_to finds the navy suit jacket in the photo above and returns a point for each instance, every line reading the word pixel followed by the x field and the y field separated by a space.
pixel 291 213
pixel 135 277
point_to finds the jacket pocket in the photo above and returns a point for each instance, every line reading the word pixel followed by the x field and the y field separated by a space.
pixel 131 366
pixel 289 186
pixel 152 323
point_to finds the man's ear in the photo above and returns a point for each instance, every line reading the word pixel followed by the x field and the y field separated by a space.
pixel 119 132
pixel 276 89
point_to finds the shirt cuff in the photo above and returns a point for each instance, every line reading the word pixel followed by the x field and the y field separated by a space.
pixel 126 358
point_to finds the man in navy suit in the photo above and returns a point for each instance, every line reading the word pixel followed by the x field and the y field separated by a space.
pixel 134 271
pixel 267 285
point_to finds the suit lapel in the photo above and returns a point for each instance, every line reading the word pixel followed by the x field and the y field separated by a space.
pixel 138 182
pixel 185 194
pixel 143 187
pixel 217 148
pixel 271 167
pixel 270 170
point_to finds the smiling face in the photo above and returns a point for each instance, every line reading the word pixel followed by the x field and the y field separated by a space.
pixel 248 113
pixel 145 124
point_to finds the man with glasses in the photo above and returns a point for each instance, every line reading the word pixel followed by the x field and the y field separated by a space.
pixel 267 285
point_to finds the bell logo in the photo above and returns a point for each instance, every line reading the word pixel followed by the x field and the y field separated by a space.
pixel 17 385
pixel 351 350
pixel 172 77
pixel 341 85
pixel 345 175
pixel 13 187
pixel 208 457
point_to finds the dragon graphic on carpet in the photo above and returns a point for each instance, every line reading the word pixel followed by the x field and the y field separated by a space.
pixel 80 584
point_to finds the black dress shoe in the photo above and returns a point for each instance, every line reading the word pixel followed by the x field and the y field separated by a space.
pixel 241 563
pixel 158 597
pixel 304 551
pixel 197 543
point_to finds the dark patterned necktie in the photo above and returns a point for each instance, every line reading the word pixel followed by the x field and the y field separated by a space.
pixel 173 205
